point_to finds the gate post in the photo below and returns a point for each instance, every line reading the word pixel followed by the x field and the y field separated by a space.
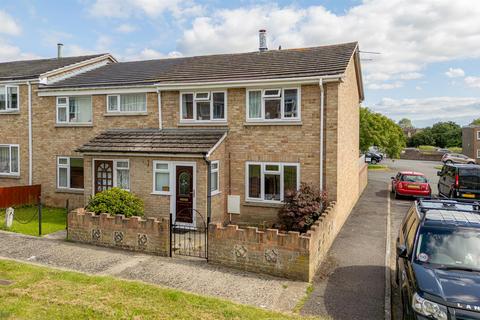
pixel 171 231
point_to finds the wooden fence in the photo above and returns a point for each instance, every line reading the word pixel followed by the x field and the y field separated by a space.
pixel 18 196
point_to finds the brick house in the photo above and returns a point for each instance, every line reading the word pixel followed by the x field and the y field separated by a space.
pixel 471 141
pixel 225 134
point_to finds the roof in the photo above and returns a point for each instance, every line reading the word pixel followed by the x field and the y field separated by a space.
pixel 463 165
pixel 450 212
pixel 412 173
pixel 272 64
pixel 28 69
pixel 155 141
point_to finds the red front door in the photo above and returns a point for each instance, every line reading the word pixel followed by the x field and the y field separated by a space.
pixel 184 194
pixel 103 175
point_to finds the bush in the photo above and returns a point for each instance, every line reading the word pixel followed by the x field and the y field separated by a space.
pixel 116 201
pixel 302 208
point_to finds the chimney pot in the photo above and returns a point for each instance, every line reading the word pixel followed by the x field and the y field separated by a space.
pixel 59 50
pixel 262 37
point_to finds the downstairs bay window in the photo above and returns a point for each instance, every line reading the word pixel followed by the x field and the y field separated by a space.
pixel 69 173
pixel 269 182
pixel 9 160
pixel 203 106
pixel 74 110
pixel 273 104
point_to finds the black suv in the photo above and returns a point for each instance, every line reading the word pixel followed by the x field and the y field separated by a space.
pixel 459 181
pixel 438 260
pixel 373 158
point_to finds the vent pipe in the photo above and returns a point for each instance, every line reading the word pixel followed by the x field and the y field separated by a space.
pixel 262 37
pixel 59 50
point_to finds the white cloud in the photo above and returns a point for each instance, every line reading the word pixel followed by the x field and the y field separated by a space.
pixel 126 28
pixel 429 110
pixel 146 54
pixel 385 86
pixel 455 73
pixel 9 52
pixel 8 25
pixel 472 82
pixel 396 28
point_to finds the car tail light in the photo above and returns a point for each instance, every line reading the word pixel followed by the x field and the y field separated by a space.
pixel 456 181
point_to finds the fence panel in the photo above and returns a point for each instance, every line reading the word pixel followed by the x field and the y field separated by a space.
pixel 18 196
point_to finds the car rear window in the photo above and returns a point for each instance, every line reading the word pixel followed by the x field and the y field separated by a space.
pixel 414 178
pixel 469 178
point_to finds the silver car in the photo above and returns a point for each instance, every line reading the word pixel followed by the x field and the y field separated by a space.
pixel 457 158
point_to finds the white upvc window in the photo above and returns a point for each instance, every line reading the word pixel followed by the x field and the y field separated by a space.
pixel 74 110
pixel 9 160
pixel 478 135
pixel 70 173
pixel 269 181
pixel 273 104
pixel 9 98
pixel 215 177
pixel 121 174
pixel 127 103
pixel 203 106
pixel 478 153
pixel 162 177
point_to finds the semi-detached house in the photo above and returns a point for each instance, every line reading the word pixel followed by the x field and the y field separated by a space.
pixel 224 134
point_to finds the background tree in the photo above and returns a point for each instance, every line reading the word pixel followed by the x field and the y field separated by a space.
pixel 441 134
pixel 475 122
pixel 405 123
pixel 380 131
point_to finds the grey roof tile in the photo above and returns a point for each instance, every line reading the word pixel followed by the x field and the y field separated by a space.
pixel 177 141
pixel 273 64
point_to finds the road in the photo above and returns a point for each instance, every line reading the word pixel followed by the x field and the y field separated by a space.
pixel 351 282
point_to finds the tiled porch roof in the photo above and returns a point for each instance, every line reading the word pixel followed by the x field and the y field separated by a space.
pixel 155 141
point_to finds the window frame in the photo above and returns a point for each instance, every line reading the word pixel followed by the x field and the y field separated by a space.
pixel 115 168
pixel 264 97
pixel 7 108
pixel 217 171
pixel 67 166
pixel 478 135
pixel 169 171
pixel 119 102
pixel 210 99
pixel 67 111
pixel 478 153
pixel 263 171
pixel 10 173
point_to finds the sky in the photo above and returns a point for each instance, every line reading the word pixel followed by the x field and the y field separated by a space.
pixel 420 58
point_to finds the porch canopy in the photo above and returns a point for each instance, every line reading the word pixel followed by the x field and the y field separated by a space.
pixel 174 141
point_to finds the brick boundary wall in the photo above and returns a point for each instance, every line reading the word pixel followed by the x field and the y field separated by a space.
pixel 150 235
pixel 291 255
pixel 419 155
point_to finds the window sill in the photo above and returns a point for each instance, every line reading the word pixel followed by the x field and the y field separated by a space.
pixel 263 204
pixel 200 124
pixel 214 193
pixel 9 176
pixel 10 112
pixel 273 123
pixel 161 194
pixel 78 125
pixel 67 190
pixel 125 114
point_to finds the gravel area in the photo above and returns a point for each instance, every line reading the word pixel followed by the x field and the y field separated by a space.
pixel 193 275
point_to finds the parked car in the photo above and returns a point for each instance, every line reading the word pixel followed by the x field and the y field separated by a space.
pixel 373 158
pixel 411 183
pixel 438 260
pixel 459 181
pixel 457 158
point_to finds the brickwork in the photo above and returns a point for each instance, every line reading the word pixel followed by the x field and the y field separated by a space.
pixel 149 235
pixel 470 142
pixel 291 255
pixel 362 178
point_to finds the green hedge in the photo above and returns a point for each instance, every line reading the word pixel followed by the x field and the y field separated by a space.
pixel 116 201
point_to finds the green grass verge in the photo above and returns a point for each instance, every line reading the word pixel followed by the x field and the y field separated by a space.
pixel 455 149
pixel 439 167
pixel 53 219
pixel 44 293
pixel 302 301
pixel 427 148
pixel 377 167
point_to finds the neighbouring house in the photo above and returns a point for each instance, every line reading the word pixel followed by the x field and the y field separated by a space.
pixel 471 141
pixel 225 134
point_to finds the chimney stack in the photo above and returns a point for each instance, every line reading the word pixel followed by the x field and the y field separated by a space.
pixel 262 37
pixel 59 50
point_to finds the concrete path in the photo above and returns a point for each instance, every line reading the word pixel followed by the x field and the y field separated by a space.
pixel 192 275
pixel 350 283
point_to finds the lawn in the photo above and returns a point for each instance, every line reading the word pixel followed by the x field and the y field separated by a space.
pixel 53 219
pixel 44 293
pixel 377 167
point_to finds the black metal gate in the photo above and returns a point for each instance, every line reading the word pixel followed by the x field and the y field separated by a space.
pixel 189 239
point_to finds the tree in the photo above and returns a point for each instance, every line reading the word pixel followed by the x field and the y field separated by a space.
pixel 441 134
pixel 475 122
pixel 378 130
pixel 405 123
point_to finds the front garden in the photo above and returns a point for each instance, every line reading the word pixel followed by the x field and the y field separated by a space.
pixel 26 220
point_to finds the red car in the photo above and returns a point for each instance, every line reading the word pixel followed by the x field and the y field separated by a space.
pixel 410 183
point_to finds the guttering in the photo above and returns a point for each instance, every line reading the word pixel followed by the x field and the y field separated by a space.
pixel 249 83
pixel 322 94
pixel 159 101
pixel 30 142
pixel 142 154
pixel 19 81
pixel 46 92
pixel 209 188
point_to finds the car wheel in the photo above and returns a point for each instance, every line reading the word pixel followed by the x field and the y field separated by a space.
pixel 405 308
pixel 471 162
pixel 373 161
pixel 397 196
pixel 449 162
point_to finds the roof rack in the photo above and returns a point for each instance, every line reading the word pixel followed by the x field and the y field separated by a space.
pixel 447 205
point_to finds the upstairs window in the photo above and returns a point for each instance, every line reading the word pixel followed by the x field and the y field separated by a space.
pixel 273 104
pixel 268 182
pixel 9 98
pixel 203 106
pixel 127 103
pixel 74 110
pixel 9 159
